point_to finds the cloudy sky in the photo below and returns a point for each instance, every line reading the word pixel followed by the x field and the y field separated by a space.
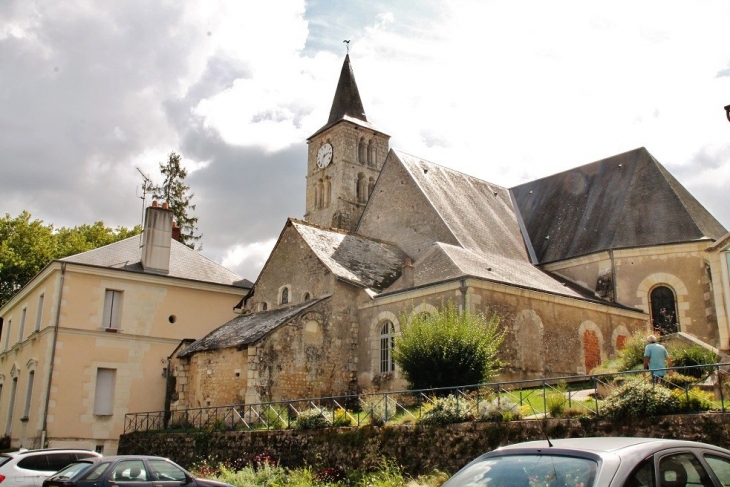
pixel 508 91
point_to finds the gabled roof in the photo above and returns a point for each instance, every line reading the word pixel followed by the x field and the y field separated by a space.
pixel 478 214
pixel 185 263
pixel 365 262
pixel 246 329
pixel 628 200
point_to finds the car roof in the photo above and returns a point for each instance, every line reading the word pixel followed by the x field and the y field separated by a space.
pixel 47 450
pixel 606 445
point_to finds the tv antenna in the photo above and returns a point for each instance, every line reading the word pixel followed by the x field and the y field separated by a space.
pixel 146 186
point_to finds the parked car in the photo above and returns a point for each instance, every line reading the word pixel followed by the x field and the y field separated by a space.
pixel 29 468
pixel 131 470
pixel 599 462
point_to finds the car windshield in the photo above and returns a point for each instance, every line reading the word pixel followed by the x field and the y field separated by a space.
pixel 527 471
pixel 70 470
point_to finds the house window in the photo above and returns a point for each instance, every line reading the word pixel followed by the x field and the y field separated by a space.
pixel 11 406
pixel 28 394
pixel 285 295
pixel 39 314
pixel 387 343
pixel 306 297
pixel 112 309
pixel 21 329
pixel 663 310
pixel 104 396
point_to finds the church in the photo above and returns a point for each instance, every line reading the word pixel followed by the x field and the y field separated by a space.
pixel 573 264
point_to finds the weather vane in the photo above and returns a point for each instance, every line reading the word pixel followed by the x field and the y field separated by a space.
pixel 347 42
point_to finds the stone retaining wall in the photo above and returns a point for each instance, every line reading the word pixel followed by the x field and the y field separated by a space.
pixel 418 448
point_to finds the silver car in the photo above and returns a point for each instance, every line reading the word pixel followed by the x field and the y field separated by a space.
pixel 599 462
pixel 29 468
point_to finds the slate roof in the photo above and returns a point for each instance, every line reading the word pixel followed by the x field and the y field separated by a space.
pixel 479 214
pixel 365 262
pixel 346 104
pixel 628 200
pixel 185 263
pixel 245 329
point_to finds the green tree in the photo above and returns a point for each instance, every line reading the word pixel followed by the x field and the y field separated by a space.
pixel 174 192
pixel 448 348
pixel 26 246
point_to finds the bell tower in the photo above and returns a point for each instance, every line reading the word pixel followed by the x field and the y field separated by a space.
pixel 344 159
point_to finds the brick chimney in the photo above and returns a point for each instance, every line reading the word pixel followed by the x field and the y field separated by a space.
pixel 156 238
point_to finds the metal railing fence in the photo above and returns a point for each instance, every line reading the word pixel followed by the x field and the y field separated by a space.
pixel 536 396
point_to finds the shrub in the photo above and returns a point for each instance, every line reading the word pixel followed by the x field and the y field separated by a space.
pixel 694 400
pixel 555 401
pixel 691 356
pixel 448 348
pixel 312 419
pixel 632 355
pixel 499 409
pixel 275 416
pixel 330 475
pixel 638 399
pixel 679 380
pixel 447 410
pixel 380 408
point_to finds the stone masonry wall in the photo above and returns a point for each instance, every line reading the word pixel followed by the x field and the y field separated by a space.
pixel 419 449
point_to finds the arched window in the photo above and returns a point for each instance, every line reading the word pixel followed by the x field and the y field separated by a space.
pixel 319 194
pixel 371 154
pixel 387 343
pixel 306 297
pixel 327 196
pixel 362 152
pixel 663 310
pixel 285 295
pixel 362 188
pixel 264 306
pixel 371 186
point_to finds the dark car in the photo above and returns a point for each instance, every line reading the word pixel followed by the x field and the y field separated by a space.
pixel 127 470
pixel 599 462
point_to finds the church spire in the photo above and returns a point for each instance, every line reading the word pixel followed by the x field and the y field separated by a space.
pixel 347 97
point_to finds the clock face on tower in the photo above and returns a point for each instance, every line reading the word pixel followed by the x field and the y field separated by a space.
pixel 324 155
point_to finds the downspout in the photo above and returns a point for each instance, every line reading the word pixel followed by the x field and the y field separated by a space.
pixel 463 290
pixel 613 277
pixel 53 356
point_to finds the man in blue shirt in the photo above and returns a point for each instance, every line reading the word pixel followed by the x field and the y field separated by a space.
pixel 656 359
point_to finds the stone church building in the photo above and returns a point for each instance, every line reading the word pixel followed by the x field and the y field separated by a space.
pixel 573 264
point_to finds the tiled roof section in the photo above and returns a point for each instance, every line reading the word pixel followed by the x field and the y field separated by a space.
pixel 249 328
pixel 628 200
pixel 479 214
pixel 347 97
pixel 185 263
pixel 458 262
pixel 368 263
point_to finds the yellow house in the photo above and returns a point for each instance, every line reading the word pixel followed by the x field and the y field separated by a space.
pixel 88 339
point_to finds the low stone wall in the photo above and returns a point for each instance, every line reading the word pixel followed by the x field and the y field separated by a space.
pixel 418 448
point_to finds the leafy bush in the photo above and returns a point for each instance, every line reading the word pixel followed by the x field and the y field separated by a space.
pixel 555 401
pixel 632 355
pixel 330 475
pixel 380 408
pixel 694 400
pixel 448 348
pixel 447 410
pixel 639 399
pixel 499 409
pixel 275 416
pixel 690 356
pixel 679 380
pixel 312 419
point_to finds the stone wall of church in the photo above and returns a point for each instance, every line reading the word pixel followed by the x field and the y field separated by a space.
pixel 312 356
pixel 295 267
pixel 404 216
pixel 547 335
pixel 212 378
pixel 683 268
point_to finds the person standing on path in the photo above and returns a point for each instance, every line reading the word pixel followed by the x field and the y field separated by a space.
pixel 656 359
